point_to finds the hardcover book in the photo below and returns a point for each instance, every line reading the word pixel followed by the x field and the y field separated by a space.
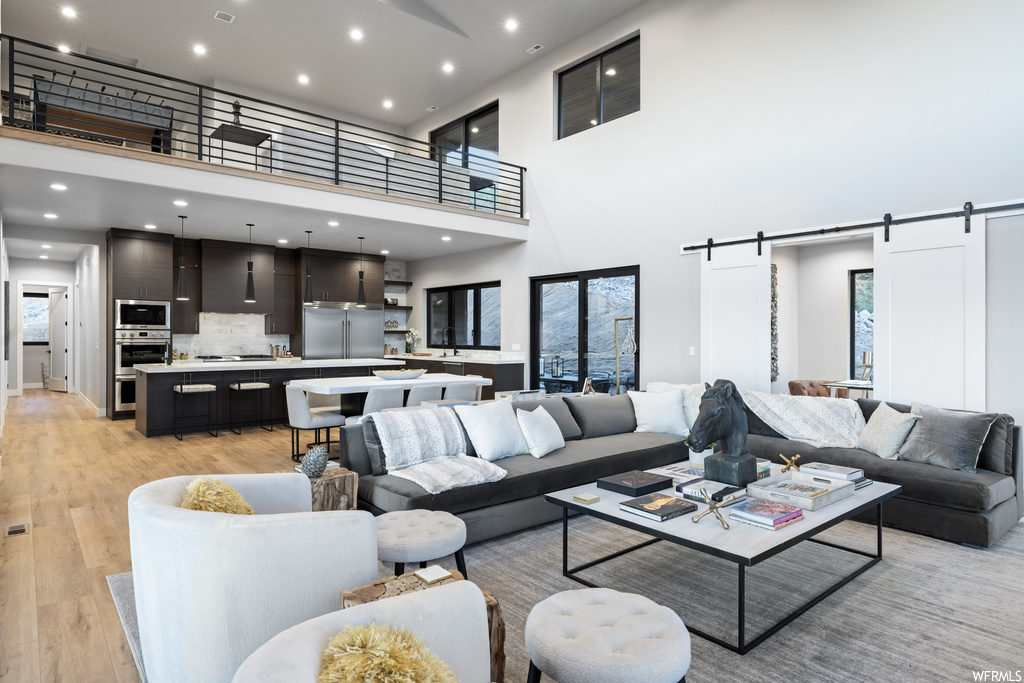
pixel 833 471
pixel 657 506
pixel 691 490
pixel 763 511
pixel 743 520
pixel 635 483
pixel 679 474
pixel 796 488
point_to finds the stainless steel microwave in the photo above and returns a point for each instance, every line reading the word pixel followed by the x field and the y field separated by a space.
pixel 130 314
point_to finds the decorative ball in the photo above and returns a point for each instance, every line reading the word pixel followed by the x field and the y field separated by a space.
pixel 315 462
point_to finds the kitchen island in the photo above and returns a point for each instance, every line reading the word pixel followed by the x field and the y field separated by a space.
pixel 154 404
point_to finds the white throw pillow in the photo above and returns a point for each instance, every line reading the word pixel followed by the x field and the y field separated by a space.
pixel 540 431
pixel 493 429
pixel 691 397
pixel 886 431
pixel 659 412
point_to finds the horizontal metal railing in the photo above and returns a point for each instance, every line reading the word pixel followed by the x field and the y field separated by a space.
pixel 86 97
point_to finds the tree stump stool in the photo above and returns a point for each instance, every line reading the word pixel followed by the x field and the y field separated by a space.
pixel 406 583
pixel 334 490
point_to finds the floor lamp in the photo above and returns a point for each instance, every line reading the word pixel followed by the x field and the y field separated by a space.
pixel 628 348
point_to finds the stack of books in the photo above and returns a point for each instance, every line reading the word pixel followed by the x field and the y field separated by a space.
pixel 853 474
pixel 718 491
pixel 657 506
pixel 764 468
pixel 765 514
pixel 635 483
pixel 680 473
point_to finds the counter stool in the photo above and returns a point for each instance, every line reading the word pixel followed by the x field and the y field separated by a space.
pixel 236 388
pixel 418 536
pixel 599 635
pixel 187 387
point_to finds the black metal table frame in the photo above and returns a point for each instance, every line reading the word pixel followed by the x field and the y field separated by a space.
pixel 743 646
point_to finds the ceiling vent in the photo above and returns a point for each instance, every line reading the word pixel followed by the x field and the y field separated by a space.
pixel 432 108
pixel 224 16
pixel 535 48
pixel 129 62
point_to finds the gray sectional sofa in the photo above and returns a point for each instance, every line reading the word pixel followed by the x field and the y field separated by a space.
pixel 954 505
pixel 599 441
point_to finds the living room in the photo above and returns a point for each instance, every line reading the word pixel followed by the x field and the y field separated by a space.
pixel 772 117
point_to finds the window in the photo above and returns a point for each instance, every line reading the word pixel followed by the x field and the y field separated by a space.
pixel 471 143
pixel 580 324
pixel 35 320
pixel 862 323
pixel 599 90
pixel 472 311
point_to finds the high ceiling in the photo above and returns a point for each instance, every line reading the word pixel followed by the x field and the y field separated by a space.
pixel 270 43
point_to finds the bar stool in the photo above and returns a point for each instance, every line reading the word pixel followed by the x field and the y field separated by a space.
pixel 187 387
pixel 461 391
pixel 256 384
pixel 302 417
pixel 423 392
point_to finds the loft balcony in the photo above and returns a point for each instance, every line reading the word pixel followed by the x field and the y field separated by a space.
pixel 70 99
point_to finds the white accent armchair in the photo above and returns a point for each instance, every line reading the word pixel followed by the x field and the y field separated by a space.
pixel 210 588
pixel 451 620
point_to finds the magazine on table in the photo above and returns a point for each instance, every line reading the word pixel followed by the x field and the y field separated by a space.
pixel 769 527
pixel 764 511
pixel 833 471
pixel 796 488
pixel 680 474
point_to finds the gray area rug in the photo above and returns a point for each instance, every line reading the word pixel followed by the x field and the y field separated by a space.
pixel 123 592
pixel 930 611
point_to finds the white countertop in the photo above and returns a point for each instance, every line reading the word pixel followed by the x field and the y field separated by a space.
pixel 460 359
pixel 360 385
pixel 277 364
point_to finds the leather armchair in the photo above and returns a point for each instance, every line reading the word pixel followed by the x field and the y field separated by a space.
pixel 815 387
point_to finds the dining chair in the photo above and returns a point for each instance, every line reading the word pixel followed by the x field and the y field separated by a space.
pixel 425 392
pixel 461 391
pixel 302 417
pixel 378 399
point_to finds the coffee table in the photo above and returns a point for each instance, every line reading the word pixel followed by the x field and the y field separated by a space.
pixel 742 544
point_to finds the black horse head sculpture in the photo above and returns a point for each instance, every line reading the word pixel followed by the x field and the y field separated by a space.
pixel 721 419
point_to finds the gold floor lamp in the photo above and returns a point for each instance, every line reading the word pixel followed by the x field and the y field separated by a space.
pixel 628 348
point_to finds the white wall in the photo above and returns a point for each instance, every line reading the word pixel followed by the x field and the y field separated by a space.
pixel 1003 321
pixel 755 116
pixel 787 261
pixel 30 271
pixel 90 338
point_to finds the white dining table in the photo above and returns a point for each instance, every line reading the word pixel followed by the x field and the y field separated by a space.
pixel 361 385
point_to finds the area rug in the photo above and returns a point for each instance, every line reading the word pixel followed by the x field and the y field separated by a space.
pixel 122 590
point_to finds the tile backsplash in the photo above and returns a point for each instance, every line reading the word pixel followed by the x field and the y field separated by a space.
pixel 225 334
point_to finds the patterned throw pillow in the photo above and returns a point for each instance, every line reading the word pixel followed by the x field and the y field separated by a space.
pixel 886 431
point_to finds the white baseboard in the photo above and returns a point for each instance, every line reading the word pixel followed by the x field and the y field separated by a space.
pixel 100 412
pixel 36 385
pixel 14 392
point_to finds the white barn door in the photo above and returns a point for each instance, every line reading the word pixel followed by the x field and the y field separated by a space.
pixel 930 313
pixel 735 316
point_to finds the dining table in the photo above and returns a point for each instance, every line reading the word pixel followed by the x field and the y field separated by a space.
pixel 361 385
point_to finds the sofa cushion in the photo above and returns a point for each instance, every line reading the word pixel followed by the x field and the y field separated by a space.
pixel 540 431
pixel 659 412
pixel 691 397
pixel 886 431
pixel 557 409
pixel 578 463
pixel 602 415
pixel 947 438
pixel 921 482
pixel 493 429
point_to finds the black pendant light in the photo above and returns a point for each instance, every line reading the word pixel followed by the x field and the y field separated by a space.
pixel 307 298
pixel 250 286
pixel 182 293
pixel 361 297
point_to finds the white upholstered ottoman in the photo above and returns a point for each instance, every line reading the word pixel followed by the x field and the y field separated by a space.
pixel 418 536
pixel 598 635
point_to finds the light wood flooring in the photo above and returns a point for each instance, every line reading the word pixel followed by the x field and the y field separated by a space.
pixel 67 474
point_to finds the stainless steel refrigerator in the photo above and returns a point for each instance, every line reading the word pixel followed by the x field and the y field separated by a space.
pixel 342 333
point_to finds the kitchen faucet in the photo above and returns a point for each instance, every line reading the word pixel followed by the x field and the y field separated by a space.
pixel 445 338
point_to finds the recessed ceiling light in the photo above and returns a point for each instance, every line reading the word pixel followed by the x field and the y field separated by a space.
pixel 51 216
pixel 609 72
pixel 43 256
pixel 180 202
pixel 448 67
pixel 282 241
pixel 303 79
pixel 47 246
pixel 384 251
pixel 446 238
pixel 388 104
pixel 333 224
pixel 356 34
pixel 59 187
pixel 149 226
pixel 511 25
pixel 64 48
pixel 199 49
pixel 474 130
pixel 69 12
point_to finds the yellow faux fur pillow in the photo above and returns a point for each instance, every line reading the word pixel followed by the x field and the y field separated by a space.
pixel 212 495
pixel 379 653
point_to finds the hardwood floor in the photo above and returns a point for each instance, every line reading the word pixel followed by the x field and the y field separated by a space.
pixel 67 475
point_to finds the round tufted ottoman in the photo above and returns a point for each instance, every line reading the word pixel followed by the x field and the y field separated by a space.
pixel 418 536
pixel 598 635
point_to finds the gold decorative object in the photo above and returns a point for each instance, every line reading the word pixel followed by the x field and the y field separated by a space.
pixel 713 506
pixel 790 462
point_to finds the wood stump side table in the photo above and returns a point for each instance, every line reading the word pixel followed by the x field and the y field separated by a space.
pixel 334 490
pixel 406 583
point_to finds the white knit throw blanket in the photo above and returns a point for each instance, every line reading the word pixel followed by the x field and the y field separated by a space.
pixel 815 420
pixel 450 472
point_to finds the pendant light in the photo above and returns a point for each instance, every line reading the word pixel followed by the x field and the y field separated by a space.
pixel 250 286
pixel 182 293
pixel 307 298
pixel 361 297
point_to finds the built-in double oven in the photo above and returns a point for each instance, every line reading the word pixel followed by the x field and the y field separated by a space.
pixel 142 334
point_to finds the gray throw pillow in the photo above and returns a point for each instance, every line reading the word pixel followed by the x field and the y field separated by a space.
pixel 603 415
pixel 886 431
pixel 373 448
pixel 948 438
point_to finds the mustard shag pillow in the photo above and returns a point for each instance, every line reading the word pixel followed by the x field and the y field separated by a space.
pixel 378 653
pixel 212 495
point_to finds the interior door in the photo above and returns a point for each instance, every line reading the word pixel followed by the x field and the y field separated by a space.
pixel 58 340
pixel 735 316
pixel 930 313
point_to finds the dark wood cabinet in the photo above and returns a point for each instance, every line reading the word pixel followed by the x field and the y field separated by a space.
pixel 224 276
pixel 185 314
pixel 140 265
pixel 504 377
pixel 335 276
pixel 284 318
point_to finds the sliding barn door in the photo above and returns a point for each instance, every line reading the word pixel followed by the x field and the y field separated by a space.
pixel 735 316
pixel 930 313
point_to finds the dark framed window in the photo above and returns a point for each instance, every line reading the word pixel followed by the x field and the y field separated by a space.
pixel 599 90
pixel 862 323
pixel 470 142
pixel 35 319
pixel 471 312
pixel 579 326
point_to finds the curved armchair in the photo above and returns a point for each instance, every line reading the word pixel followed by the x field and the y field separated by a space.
pixel 451 620
pixel 211 587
